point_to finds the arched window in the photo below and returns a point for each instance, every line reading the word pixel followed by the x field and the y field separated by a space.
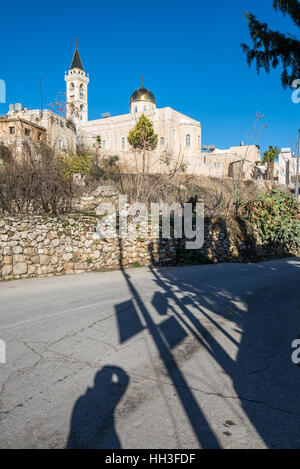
pixel 135 109
pixel 71 86
pixel 81 108
pixel 103 144
pixel 81 90
pixel 199 142
pixel 162 140
pixel 187 140
pixel 123 143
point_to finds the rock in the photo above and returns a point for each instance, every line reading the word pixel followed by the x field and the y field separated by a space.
pixel 20 268
pixel 68 256
pixel 54 259
pixel 44 260
pixel 30 251
pixel 31 269
pixel 18 258
pixel 6 270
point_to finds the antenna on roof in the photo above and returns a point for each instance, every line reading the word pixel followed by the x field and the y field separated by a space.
pixel 41 92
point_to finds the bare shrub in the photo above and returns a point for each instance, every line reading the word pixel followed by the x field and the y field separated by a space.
pixel 34 182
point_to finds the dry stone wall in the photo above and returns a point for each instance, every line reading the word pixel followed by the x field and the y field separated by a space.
pixel 39 246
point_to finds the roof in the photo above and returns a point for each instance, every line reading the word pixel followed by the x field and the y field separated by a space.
pixel 21 119
pixel 142 94
pixel 76 62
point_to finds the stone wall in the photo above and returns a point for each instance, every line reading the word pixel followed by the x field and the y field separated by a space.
pixel 35 246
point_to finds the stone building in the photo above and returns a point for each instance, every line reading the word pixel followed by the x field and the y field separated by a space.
pixel 20 135
pixel 16 128
pixel 179 136
pixel 230 163
pixel 285 169
pixel 60 133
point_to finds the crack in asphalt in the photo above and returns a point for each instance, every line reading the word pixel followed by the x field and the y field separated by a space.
pixel 216 394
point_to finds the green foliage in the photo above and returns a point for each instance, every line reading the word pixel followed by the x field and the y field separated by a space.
pixel 98 140
pixel 269 157
pixel 108 170
pixel 271 154
pixel 142 136
pixel 276 216
pixel 89 261
pixel 272 47
pixel 74 163
pixel 193 257
pixel 136 264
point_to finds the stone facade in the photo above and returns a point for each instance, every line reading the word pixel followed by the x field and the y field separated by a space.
pixel 229 163
pixel 178 135
pixel 285 169
pixel 41 246
pixel 16 132
pixel 58 132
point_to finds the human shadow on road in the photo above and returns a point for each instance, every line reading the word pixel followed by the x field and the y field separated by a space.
pixel 93 420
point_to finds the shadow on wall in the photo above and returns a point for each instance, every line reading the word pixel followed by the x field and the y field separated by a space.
pixel 92 422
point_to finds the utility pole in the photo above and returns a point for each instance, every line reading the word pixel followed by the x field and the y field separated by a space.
pixel 297 170
pixel 41 91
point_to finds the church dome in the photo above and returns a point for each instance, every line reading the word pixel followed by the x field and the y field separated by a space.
pixel 142 94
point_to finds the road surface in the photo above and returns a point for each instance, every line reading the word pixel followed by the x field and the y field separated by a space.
pixel 182 357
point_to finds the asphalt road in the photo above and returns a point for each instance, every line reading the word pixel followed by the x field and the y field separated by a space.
pixel 181 357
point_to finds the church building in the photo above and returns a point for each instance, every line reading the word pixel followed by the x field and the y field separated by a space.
pixel 178 134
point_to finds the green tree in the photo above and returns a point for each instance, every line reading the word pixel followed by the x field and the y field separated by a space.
pixel 142 137
pixel 269 157
pixel 77 163
pixel 273 47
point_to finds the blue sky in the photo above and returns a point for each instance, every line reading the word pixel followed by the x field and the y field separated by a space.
pixel 188 51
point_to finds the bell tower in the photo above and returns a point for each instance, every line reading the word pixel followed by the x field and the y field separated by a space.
pixel 77 90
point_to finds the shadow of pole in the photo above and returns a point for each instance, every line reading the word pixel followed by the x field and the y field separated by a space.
pixel 263 376
pixel 201 428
